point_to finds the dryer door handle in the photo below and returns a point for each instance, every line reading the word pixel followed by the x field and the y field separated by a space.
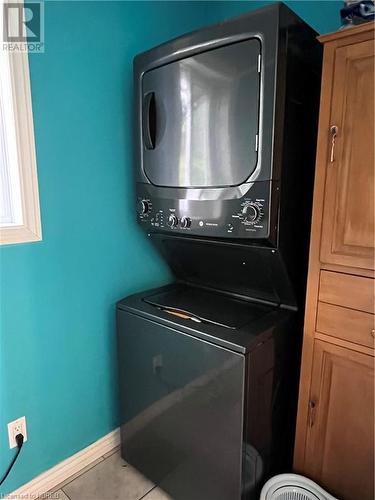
pixel 149 120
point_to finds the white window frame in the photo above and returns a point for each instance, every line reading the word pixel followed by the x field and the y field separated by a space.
pixel 29 229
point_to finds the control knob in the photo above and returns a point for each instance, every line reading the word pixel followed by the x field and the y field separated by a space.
pixel 172 221
pixel 185 222
pixel 251 213
pixel 143 207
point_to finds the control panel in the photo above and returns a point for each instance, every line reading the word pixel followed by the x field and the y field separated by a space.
pixel 246 217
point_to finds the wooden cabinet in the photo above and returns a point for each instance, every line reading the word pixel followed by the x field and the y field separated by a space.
pixel 340 434
pixel 335 421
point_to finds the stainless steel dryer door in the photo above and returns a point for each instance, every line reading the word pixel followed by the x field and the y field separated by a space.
pixel 200 118
pixel 182 410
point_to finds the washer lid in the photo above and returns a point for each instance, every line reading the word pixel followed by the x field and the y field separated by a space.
pixel 208 307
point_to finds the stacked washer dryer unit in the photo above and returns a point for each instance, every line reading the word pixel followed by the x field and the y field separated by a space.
pixel 225 136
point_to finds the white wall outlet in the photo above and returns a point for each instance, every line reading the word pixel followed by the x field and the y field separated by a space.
pixel 17 427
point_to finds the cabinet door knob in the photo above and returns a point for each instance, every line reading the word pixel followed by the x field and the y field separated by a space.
pixel 373 333
pixel 334 130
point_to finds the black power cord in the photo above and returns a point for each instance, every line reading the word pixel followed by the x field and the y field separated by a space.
pixel 19 441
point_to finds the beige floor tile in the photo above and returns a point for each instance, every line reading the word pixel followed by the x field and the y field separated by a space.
pixel 157 494
pixel 77 474
pixel 111 479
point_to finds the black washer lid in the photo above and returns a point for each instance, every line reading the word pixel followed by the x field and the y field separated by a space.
pixel 208 307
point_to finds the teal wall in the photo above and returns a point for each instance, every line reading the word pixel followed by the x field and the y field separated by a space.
pixel 57 336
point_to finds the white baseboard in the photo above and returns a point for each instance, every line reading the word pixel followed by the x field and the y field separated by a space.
pixel 62 471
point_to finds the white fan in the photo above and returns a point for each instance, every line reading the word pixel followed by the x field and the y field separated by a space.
pixel 293 487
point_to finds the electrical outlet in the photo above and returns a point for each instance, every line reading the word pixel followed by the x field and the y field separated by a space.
pixel 17 427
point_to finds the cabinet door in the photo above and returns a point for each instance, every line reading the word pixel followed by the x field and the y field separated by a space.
pixel 340 437
pixel 348 221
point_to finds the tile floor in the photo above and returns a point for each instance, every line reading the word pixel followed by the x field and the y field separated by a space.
pixel 109 478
